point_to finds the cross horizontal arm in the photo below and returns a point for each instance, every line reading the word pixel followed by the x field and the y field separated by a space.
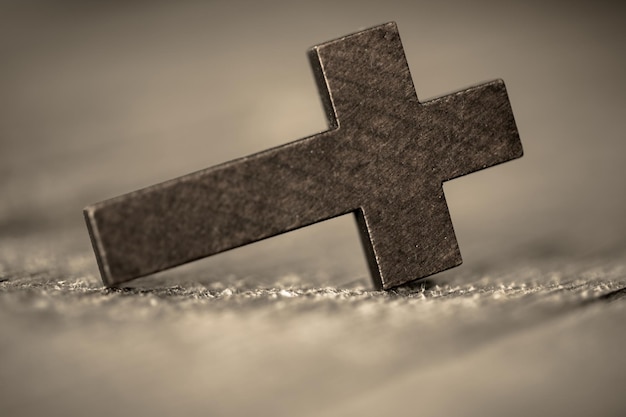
pixel 364 78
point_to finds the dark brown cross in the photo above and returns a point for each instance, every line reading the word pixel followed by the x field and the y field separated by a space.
pixel 384 158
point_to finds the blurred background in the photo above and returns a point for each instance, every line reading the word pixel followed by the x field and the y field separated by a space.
pixel 102 98
pixel 99 99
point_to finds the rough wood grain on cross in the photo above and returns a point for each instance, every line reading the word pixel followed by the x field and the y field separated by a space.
pixel 384 158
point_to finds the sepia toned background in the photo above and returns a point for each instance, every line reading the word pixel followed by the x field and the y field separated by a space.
pixel 102 98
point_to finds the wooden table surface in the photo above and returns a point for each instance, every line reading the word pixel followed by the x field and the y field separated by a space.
pixel 98 100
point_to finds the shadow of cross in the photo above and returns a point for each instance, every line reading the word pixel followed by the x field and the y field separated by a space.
pixel 384 158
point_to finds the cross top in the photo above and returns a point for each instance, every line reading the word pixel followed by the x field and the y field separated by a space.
pixel 384 158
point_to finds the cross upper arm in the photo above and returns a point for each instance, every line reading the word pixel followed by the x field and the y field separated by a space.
pixel 471 130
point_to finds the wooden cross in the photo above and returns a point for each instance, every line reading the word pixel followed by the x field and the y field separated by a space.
pixel 384 158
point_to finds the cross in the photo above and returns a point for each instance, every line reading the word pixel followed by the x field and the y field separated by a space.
pixel 384 158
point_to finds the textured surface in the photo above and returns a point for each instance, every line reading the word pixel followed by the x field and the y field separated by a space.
pixel 548 338
pixel 102 98
pixel 385 159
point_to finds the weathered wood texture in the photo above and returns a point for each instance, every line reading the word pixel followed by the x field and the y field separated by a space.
pixel 385 159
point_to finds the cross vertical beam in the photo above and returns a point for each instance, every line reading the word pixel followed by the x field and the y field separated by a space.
pixel 384 158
